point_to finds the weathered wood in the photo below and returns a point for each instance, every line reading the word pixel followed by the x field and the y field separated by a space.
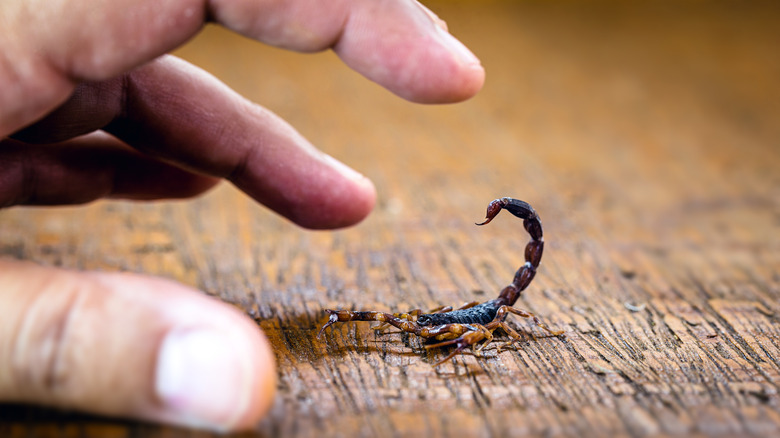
pixel 646 138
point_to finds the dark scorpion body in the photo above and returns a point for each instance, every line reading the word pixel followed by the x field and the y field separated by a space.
pixel 472 322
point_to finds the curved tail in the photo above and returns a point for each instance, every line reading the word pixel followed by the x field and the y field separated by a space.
pixel 533 250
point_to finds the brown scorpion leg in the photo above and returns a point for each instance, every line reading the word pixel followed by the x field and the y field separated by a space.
pixel 503 310
pixel 468 335
pixel 348 315
pixel 409 316
pixel 468 305
pixel 417 312
pixel 478 333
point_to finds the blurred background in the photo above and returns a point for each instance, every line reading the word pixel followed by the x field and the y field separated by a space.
pixel 602 103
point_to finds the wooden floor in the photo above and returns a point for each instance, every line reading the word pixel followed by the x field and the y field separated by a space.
pixel 647 138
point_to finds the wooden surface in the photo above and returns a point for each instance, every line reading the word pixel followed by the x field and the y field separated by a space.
pixel 647 138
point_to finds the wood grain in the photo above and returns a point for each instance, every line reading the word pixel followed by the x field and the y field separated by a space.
pixel 647 138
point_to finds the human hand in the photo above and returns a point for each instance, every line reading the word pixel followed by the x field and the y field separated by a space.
pixel 124 122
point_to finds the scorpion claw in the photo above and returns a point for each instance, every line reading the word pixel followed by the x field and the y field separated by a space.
pixel 334 318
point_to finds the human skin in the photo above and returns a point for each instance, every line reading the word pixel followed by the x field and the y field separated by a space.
pixel 91 107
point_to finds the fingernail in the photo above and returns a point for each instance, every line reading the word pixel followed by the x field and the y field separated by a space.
pixel 203 378
pixel 433 17
pixel 458 49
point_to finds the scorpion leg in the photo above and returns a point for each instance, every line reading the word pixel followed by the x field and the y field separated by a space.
pixel 440 309
pixel 478 332
pixel 409 316
pixel 499 322
pixel 445 309
pixel 467 336
pixel 503 311
pixel 406 325
pixel 468 305
pixel 417 312
pixel 515 336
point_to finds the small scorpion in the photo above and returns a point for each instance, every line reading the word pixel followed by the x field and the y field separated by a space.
pixel 472 322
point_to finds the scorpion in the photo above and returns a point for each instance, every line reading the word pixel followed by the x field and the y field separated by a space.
pixel 472 322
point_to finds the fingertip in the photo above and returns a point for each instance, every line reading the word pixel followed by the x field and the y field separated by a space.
pixel 419 60
pixel 459 74
pixel 218 377
pixel 462 83
pixel 214 368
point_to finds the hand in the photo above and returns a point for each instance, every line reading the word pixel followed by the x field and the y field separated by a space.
pixel 73 72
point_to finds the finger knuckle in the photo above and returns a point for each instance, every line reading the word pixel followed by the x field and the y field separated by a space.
pixel 41 356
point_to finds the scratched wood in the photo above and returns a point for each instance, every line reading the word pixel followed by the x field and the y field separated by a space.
pixel 646 136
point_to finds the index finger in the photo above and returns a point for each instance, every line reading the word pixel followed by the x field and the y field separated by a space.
pixel 50 45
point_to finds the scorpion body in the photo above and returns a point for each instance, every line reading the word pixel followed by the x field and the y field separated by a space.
pixel 472 322
pixel 480 314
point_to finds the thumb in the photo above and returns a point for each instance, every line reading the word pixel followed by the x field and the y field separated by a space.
pixel 131 346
